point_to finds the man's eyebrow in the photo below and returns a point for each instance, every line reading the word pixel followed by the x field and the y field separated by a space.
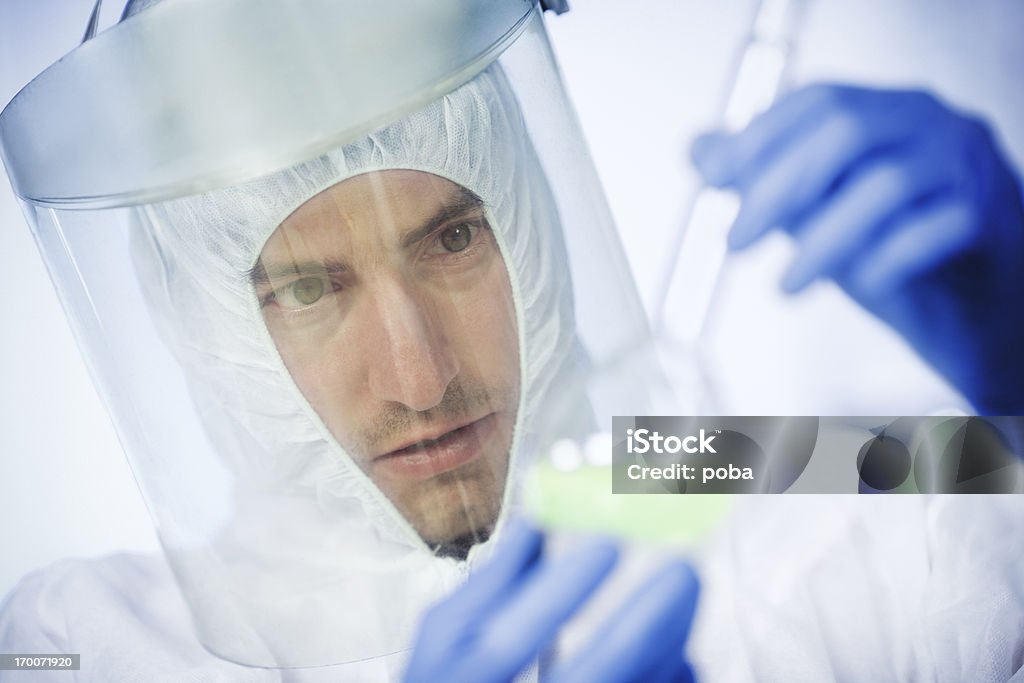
pixel 463 202
pixel 261 275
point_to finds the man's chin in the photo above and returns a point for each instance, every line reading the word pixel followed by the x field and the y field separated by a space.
pixel 457 526
pixel 456 507
pixel 458 548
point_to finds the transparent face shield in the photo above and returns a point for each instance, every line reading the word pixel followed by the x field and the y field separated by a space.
pixel 334 317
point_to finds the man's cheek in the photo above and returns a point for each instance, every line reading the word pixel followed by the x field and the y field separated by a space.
pixel 479 322
pixel 494 352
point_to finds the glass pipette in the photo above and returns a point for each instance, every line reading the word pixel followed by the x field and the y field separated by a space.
pixel 692 277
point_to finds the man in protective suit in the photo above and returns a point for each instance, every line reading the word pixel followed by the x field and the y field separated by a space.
pixel 372 337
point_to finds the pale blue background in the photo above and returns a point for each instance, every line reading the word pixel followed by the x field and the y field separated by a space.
pixel 645 77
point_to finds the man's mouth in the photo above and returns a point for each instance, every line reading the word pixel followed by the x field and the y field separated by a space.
pixel 442 451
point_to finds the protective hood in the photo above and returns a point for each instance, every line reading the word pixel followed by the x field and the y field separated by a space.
pixel 346 542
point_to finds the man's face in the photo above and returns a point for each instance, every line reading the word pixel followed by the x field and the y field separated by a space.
pixel 390 305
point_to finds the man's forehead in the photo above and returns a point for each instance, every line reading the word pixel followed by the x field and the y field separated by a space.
pixel 379 198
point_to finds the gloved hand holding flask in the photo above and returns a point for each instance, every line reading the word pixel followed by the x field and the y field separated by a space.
pixel 910 206
pixel 512 609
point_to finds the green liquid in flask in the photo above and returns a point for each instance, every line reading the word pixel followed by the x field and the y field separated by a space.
pixel 581 500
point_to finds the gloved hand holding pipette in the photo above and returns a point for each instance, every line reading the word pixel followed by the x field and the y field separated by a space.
pixel 514 607
pixel 909 206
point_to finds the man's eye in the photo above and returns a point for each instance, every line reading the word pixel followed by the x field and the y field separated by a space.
pixel 304 292
pixel 457 237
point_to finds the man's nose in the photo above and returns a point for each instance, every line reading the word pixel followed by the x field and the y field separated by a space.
pixel 412 360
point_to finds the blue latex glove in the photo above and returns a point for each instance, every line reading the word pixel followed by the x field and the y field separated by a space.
pixel 910 207
pixel 512 609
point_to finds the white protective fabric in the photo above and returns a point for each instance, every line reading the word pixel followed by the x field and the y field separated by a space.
pixel 310 529
pixel 864 588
